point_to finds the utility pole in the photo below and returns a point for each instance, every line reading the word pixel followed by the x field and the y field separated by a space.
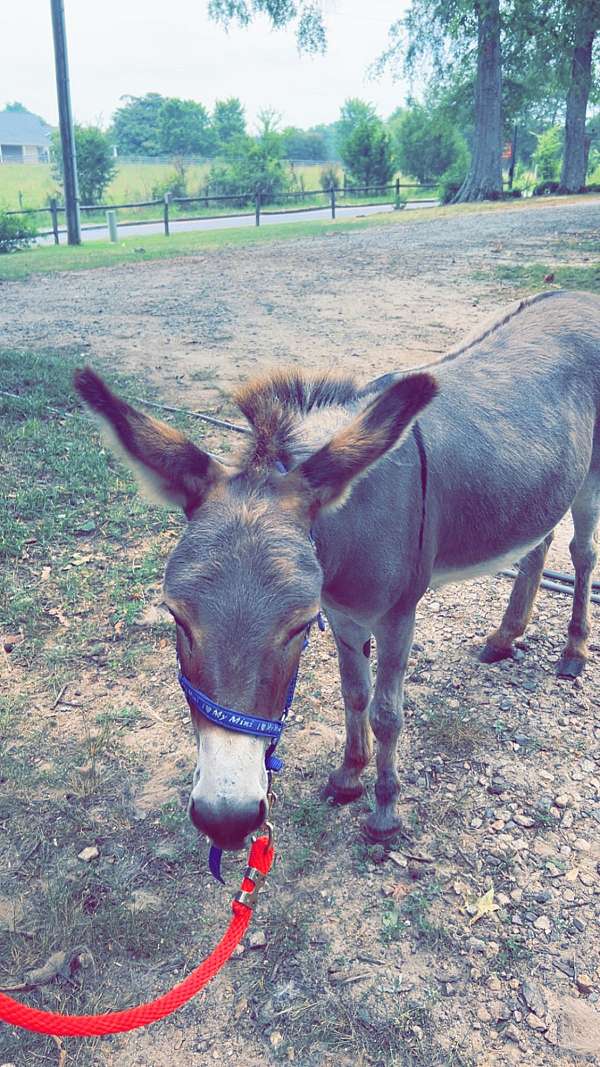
pixel 65 116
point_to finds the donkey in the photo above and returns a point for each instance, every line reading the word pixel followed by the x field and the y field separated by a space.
pixel 359 500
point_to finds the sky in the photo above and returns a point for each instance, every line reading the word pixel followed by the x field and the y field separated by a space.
pixel 133 47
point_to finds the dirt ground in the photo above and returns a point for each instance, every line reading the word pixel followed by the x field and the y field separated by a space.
pixel 369 956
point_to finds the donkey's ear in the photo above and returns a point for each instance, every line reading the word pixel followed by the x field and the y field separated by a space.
pixel 329 474
pixel 169 466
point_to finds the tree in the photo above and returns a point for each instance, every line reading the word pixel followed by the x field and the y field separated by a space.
pixel 585 25
pixel 135 128
pixel 95 162
pixel 366 152
pixel 184 128
pixel 306 14
pixel 352 112
pixel 484 178
pixel 426 143
pixel 253 164
pixel 228 121
pixel 16 105
pixel 304 144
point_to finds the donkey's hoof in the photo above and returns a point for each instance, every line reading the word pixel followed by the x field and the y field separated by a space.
pixel 494 653
pixel 570 666
pixel 381 834
pixel 340 796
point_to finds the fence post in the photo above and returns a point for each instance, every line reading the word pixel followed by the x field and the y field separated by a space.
pixel 111 222
pixel 54 215
pixel 397 203
pixel 257 207
pixel 332 195
pixel 166 213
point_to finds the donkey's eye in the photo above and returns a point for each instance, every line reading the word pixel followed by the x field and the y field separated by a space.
pixel 181 624
pixel 298 630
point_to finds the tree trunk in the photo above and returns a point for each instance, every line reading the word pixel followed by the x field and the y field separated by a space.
pixel 587 21
pixel 484 180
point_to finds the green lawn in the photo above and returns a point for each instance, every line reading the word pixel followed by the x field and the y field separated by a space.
pixel 530 277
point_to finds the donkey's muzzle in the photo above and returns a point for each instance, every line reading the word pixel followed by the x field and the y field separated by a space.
pixel 228 827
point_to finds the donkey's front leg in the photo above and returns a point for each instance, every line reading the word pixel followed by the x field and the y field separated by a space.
pixel 354 648
pixel 394 636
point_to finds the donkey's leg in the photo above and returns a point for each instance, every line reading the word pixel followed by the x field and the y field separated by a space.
pixel 394 639
pixel 499 644
pixel 584 553
pixel 354 646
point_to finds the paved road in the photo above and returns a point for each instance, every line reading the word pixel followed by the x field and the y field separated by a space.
pixel 224 222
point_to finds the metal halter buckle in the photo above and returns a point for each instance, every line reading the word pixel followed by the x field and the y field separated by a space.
pixel 248 896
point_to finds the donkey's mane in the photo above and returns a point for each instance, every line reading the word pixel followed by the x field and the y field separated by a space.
pixel 274 407
pixel 493 325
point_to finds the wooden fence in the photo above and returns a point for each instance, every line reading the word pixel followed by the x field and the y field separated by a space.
pixel 335 198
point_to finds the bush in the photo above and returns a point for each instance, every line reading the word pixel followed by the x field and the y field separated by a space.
pixel 95 162
pixel 546 157
pixel 452 179
pixel 329 178
pixel 16 232
pixel 251 165
pixel 175 183
pixel 427 144
pixel 367 153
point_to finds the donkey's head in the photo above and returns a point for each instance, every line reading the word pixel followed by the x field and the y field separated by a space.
pixel 244 581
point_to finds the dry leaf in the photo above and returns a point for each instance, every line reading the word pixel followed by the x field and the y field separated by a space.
pixel 484 906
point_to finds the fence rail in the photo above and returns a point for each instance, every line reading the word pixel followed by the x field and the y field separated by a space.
pixel 255 201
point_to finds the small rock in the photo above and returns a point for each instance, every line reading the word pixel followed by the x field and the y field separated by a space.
pixel 534 998
pixel 572 874
pixel 276 1038
pixel 398 859
pixel 578 924
pixel 584 983
pixel 511 1033
pixel 562 800
pixel 581 845
pixel 524 820
pixel 543 923
pixel 91 852
pixel 257 939
pixel 535 1022
pixel 567 820
pixel 498 825
pixel 498 786
pixel 494 983
pixel 483 1015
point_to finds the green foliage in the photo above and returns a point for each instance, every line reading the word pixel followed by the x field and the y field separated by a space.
pixel 427 144
pixel 184 128
pixel 95 162
pixel 352 112
pixel 304 144
pixel 367 153
pixel 16 232
pixel 174 183
pixel 228 121
pixel 546 158
pixel 251 165
pixel 306 14
pixel 135 125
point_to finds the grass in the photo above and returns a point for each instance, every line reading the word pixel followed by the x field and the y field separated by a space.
pixel 133 249
pixel 529 278
pixel 132 182
pixel 79 551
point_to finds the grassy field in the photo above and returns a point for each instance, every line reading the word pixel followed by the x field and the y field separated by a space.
pixel 133 181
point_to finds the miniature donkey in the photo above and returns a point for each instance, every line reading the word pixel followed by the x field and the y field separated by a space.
pixel 360 500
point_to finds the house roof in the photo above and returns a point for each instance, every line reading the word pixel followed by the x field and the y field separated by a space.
pixel 20 127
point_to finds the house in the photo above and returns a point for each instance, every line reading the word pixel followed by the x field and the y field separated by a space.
pixel 24 138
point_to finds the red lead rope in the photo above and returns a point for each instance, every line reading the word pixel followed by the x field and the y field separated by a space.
pixel 118 1022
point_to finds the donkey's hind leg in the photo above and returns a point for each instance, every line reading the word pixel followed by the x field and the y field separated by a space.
pixel 499 644
pixel 354 647
pixel 584 553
